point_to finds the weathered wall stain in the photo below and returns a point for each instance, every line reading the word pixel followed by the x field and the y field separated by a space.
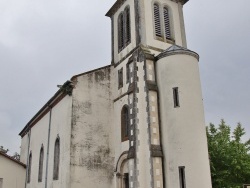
pixel 90 147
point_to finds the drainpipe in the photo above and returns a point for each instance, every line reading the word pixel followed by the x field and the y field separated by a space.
pixel 47 161
pixel 28 154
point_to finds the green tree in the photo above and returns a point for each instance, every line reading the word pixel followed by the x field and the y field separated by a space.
pixel 229 156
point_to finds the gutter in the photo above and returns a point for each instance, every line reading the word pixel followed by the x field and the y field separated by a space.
pixel 47 158
pixel 65 89
pixel 28 154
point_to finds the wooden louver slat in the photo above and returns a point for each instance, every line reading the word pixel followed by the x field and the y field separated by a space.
pixel 157 20
pixel 167 24
pixel 128 34
pixel 120 31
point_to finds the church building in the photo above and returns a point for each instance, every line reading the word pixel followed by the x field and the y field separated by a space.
pixel 136 123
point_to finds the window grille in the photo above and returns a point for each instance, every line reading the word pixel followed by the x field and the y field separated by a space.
pixel 157 20
pixel 40 171
pixel 56 159
pixel 167 23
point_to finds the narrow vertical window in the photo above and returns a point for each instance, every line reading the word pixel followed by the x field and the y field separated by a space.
pixel 128 73
pixel 182 177
pixel 1 182
pixel 126 180
pixel 40 170
pixel 56 159
pixel 120 78
pixel 167 23
pixel 29 168
pixel 124 123
pixel 120 31
pixel 176 97
pixel 157 20
pixel 127 22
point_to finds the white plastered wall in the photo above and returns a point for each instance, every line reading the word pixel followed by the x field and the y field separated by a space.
pixel 92 137
pixel 183 128
pixel 12 173
pixel 60 125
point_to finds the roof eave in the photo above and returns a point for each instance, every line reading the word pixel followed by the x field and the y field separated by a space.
pixel 119 3
pixel 114 8
pixel 44 108
pixel 9 157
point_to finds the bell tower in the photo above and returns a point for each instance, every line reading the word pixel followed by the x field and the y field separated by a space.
pixel 158 110
pixel 155 25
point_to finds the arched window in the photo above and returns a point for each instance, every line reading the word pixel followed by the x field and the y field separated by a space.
pixel 162 22
pixel 157 20
pixel 167 23
pixel 127 22
pixel 29 168
pixel 40 170
pixel 124 29
pixel 124 123
pixel 56 159
pixel 120 31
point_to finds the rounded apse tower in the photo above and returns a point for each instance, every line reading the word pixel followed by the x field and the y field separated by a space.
pixel 183 136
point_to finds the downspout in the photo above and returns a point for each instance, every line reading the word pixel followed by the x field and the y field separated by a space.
pixel 47 161
pixel 29 135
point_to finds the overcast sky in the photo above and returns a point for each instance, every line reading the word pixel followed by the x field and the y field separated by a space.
pixel 43 43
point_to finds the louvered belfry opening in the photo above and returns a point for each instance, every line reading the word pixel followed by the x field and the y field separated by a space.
pixel 167 23
pixel 128 34
pixel 157 20
pixel 121 31
pixel 124 29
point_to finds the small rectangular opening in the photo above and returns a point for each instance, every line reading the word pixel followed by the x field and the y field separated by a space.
pixel 176 97
pixel 120 78
pixel 126 180
pixel 128 72
pixel 182 177
pixel 1 182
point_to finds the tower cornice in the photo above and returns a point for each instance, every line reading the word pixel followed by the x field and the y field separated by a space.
pixel 115 7
pixel 119 3
pixel 174 50
pixel 181 1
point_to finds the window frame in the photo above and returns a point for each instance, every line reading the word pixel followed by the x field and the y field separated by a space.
pixel 163 37
pixel 124 29
pixel 157 22
pixel 120 31
pixel 40 167
pixel 182 177
pixel 29 168
pixel 120 78
pixel 126 180
pixel 56 165
pixel 125 123
pixel 167 25
pixel 176 97
pixel 1 182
